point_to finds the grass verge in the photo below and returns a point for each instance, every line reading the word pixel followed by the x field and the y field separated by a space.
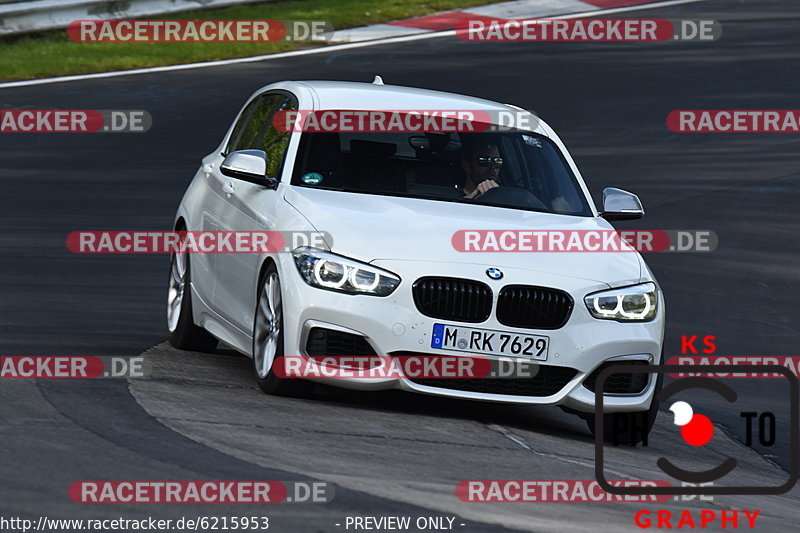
pixel 54 54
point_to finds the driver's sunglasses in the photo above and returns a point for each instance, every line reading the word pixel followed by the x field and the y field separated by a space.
pixel 489 161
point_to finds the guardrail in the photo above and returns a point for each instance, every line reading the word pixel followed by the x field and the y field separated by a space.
pixel 26 16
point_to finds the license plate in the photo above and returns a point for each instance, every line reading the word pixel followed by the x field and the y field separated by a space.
pixel 486 341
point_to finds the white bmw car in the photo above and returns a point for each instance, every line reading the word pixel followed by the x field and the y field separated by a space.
pixel 388 279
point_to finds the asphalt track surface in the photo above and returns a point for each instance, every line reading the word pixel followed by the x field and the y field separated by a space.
pixel 199 416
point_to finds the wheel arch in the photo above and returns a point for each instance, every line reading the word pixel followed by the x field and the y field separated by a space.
pixel 262 271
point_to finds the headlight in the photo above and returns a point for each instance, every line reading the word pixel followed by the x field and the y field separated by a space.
pixel 325 270
pixel 637 303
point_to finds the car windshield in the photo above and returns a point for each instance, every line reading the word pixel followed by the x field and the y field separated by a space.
pixel 512 169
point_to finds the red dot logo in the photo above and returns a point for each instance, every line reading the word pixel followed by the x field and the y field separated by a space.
pixel 696 430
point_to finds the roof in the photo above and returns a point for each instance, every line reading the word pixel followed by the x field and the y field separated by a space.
pixel 346 95
pixel 355 95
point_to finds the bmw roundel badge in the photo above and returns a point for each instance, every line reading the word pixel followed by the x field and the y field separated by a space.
pixel 494 273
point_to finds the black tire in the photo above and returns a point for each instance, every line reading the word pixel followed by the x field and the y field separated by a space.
pixel 186 335
pixel 268 381
pixel 628 429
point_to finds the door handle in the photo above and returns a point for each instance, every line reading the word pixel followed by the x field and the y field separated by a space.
pixel 229 188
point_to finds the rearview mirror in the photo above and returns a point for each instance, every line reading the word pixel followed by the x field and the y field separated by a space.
pixel 248 165
pixel 621 205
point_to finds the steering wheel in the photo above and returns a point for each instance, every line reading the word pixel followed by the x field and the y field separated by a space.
pixel 513 196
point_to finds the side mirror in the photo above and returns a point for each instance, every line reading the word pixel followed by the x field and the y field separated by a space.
pixel 248 165
pixel 621 205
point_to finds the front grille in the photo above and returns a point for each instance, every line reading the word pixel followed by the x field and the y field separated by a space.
pixel 622 383
pixel 453 299
pixel 323 341
pixel 524 306
pixel 548 381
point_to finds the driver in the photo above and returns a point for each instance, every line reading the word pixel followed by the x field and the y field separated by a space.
pixel 481 163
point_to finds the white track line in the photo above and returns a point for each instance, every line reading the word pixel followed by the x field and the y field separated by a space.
pixel 321 50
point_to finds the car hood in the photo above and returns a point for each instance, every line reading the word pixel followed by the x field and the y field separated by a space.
pixel 383 228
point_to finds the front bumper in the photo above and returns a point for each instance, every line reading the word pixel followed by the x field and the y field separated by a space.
pixel 393 324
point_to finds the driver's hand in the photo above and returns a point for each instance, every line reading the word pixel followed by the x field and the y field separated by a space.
pixel 482 188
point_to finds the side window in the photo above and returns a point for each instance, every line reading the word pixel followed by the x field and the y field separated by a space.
pixel 255 131
pixel 275 142
pixel 239 127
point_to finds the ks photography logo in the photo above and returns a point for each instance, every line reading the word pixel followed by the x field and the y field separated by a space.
pixel 697 429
